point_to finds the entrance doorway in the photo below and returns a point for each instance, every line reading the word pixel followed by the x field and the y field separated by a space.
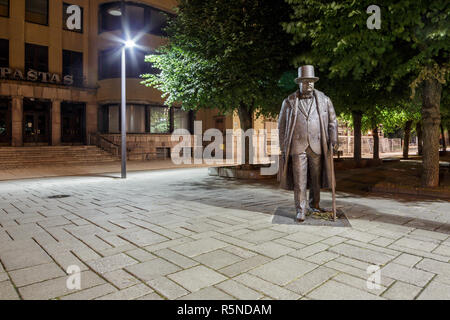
pixel 36 115
pixel 73 123
pixel 5 122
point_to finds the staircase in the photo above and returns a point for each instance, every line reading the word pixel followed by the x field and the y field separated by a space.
pixel 23 157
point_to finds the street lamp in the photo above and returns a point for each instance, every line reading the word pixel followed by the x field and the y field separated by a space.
pixel 128 44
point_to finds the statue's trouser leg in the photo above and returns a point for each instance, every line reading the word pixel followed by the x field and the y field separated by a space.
pixel 300 170
pixel 315 168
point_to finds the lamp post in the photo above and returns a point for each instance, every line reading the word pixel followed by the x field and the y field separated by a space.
pixel 123 109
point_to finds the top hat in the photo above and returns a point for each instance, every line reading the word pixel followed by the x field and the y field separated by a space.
pixel 306 73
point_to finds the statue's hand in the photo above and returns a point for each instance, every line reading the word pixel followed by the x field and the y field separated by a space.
pixel 335 147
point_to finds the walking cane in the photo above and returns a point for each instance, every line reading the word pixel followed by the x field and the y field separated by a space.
pixel 333 182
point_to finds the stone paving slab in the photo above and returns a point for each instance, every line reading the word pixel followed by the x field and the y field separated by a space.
pixel 199 237
pixel 197 278
pixel 283 270
pixel 333 290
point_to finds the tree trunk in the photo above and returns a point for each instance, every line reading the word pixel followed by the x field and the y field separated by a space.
pixel 376 143
pixel 431 118
pixel 406 137
pixel 246 119
pixel 419 138
pixel 444 145
pixel 357 116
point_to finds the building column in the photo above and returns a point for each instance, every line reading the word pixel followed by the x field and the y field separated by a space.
pixel 17 121
pixel 91 119
pixel 56 122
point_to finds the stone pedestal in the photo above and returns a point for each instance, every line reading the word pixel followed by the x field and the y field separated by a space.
pixel 56 122
pixel 17 122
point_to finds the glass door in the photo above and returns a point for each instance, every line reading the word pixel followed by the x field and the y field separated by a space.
pixel 73 123
pixel 36 122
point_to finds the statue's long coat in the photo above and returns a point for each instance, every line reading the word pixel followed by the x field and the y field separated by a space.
pixel 286 124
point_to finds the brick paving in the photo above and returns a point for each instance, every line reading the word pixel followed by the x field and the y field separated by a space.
pixel 181 234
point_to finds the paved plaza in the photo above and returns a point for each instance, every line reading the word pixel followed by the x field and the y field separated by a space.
pixel 181 234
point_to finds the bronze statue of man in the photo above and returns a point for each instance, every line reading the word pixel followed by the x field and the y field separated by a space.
pixel 308 133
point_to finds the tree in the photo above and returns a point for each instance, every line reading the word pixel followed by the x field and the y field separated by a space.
pixel 353 100
pixel 404 115
pixel 411 45
pixel 228 55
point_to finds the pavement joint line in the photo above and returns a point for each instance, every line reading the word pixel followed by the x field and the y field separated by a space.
pixel 424 287
pixel 389 287
pixel 93 271
pixel 51 257
pixel 11 281
pixel 101 239
pixel 6 231
pixel 160 234
pixel 86 244
pixel 353 286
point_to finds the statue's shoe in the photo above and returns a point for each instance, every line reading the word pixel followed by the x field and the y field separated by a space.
pixel 316 210
pixel 300 217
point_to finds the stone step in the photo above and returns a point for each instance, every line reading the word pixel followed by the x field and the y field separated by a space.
pixel 14 157
pixel 26 156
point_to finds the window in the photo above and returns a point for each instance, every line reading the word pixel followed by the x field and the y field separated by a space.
pixel 113 119
pixel 4 8
pixel 66 17
pixel 110 64
pixel 180 119
pixel 110 17
pixel 159 120
pixel 136 118
pixel 4 53
pixel 157 21
pixel 139 17
pixel 136 17
pixel 73 65
pixel 143 119
pixel 136 65
pixel 36 58
pixel 37 11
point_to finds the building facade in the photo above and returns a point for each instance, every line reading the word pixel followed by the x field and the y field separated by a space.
pixel 60 77
pixel 60 86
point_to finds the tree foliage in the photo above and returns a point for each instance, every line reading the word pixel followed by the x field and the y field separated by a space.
pixel 412 48
pixel 413 38
pixel 225 55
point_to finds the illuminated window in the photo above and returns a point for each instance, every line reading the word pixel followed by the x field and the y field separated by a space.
pixel 136 118
pixel 113 119
pixel 180 119
pixel 36 11
pixel 159 120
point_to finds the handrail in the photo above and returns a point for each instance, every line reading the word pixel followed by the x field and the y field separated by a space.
pixel 104 144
